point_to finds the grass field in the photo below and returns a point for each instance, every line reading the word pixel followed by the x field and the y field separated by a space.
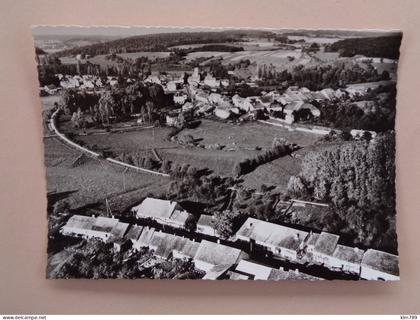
pixel 93 180
pixel 100 59
pixel 239 141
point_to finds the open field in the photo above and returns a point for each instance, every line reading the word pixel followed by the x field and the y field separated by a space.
pixel 320 40
pixel 102 61
pixel 93 180
pixel 239 141
pixel 251 134
pixel 280 58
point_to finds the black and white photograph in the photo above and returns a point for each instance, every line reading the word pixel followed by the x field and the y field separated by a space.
pixel 219 153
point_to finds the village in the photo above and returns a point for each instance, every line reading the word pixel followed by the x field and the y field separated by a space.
pixel 205 158
pixel 201 97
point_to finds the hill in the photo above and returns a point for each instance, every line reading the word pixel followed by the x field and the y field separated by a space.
pixel 161 41
pixel 384 47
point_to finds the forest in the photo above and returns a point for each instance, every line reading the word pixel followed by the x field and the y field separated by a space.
pixel 321 76
pixel 384 47
pixel 358 179
pixel 156 42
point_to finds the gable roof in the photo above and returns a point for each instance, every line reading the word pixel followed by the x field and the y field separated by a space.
pixel 313 238
pixel 119 229
pixel 259 271
pixel 80 222
pixel 146 236
pixel 165 244
pixel 155 208
pixel 179 216
pixel 381 261
pixel 215 253
pixel 104 224
pixel 215 272
pixel 272 234
pixel 349 254
pixel 326 243
pixel 134 232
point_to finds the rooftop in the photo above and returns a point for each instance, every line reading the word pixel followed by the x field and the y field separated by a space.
pixel 104 224
pixel 165 244
pixel 155 208
pixel 381 261
pixel 259 271
pixel 134 232
pixel 119 229
pixel 272 234
pixel 313 238
pixel 278 274
pixel 146 236
pixel 215 272
pixel 349 254
pixel 80 222
pixel 215 254
pixel 326 243
pixel 237 276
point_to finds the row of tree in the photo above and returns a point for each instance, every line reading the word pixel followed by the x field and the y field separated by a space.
pixel 320 76
pixel 248 165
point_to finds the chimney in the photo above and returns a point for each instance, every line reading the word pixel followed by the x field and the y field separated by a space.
pixel 281 269
pixel 296 271
pixel 218 241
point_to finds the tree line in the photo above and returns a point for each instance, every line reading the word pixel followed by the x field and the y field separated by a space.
pixel 320 76
pixel 248 165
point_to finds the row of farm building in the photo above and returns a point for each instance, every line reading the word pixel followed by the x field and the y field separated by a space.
pixel 216 260
pixel 276 240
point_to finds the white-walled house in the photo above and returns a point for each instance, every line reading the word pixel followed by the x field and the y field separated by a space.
pixel 211 254
pixel 378 265
pixel 324 248
pixel 102 228
pixel 282 241
pixel 163 211
pixel 347 259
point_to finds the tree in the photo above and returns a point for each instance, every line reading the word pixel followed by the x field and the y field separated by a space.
pixel 190 223
pixel 61 206
pixel 106 106
pixel 150 107
pixel 166 166
pixel 227 222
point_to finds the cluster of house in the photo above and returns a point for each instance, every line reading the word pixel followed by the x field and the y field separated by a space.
pixel 215 259
pixel 294 99
pixel 86 82
pixel 319 248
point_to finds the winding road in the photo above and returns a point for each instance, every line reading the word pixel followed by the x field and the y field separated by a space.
pixel 52 126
